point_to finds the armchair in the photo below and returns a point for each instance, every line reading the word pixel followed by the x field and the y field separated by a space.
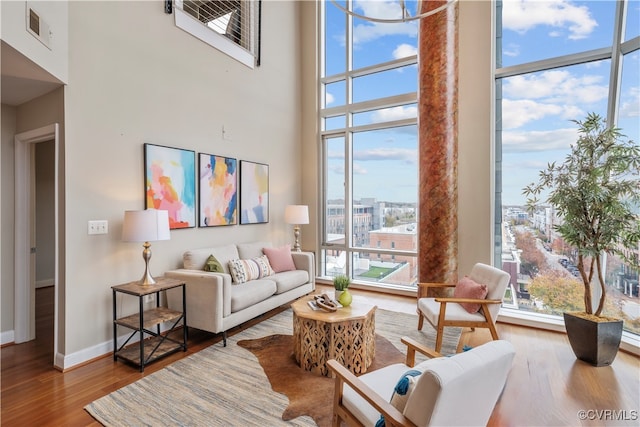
pixel 441 312
pixel 458 390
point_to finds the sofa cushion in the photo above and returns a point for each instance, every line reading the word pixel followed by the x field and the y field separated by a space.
pixel 252 250
pixel 213 265
pixel 288 280
pixel 280 258
pixel 196 258
pixel 250 293
pixel 468 288
pixel 244 270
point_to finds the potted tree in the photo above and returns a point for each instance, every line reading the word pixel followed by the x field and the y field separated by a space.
pixel 596 194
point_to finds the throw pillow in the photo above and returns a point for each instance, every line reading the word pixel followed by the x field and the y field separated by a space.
pixel 243 270
pixel 403 389
pixel 468 288
pixel 280 258
pixel 401 392
pixel 213 265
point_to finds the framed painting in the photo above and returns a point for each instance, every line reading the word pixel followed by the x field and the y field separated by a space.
pixel 218 203
pixel 254 192
pixel 170 183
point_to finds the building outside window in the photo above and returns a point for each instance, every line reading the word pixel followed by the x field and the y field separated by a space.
pixel 369 145
pixel 556 62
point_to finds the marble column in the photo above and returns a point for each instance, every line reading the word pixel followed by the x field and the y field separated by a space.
pixel 438 144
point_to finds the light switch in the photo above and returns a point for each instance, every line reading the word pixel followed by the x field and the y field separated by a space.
pixel 99 227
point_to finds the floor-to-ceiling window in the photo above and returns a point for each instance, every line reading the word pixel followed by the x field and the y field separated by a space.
pixel 369 144
pixel 556 62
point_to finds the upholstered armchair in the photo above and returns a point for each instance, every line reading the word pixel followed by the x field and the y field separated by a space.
pixel 460 390
pixel 475 302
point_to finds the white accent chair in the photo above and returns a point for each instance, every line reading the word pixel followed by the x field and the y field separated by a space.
pixel 460 390
pixel 441 312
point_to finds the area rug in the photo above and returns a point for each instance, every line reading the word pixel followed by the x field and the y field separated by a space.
pixel 227 386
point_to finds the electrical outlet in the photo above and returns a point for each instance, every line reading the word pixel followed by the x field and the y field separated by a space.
pixel 148 298
pixel 99 227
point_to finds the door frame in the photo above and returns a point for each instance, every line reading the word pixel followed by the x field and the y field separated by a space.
pixel 24 280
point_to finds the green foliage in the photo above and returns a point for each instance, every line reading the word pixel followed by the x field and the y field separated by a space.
pixel 341 282
pixel 594 192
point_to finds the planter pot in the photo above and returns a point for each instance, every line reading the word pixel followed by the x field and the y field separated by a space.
pixel 596 343
pixel 337 294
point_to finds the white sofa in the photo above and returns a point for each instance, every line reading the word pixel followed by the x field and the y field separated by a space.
pixel 216 304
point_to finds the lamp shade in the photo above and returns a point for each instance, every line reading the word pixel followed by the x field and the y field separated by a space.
pixel 296 214
pixel 145 226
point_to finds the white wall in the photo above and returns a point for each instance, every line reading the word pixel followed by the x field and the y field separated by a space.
pixel 6 230
pixel 14 31
pixel 127 87
pixel 134 78
pixel 475 135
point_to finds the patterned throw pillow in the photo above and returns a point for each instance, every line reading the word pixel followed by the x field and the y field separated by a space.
pixel 243 270
pixel 213 265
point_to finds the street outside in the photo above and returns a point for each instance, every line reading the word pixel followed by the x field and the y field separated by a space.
pixel 628 304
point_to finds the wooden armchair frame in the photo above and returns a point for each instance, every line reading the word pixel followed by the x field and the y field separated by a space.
pixel 392 416
pixel 423 291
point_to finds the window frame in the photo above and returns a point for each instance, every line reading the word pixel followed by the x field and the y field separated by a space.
pixel 346 131
pixel 250 58
pixel 615 53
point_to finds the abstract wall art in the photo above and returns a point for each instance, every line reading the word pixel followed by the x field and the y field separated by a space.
pixel 170 183
pixel 254 192
pixel 218 190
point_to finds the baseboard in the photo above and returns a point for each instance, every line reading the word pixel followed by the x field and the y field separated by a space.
pixel 84 356
pixel 7 337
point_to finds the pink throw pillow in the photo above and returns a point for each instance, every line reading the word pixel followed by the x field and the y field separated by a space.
pixel 280 258
pixel 468 288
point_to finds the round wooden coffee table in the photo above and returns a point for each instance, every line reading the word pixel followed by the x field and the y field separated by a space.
pixel 347 335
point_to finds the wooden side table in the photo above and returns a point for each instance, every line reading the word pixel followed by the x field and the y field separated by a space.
pixel 145 320
pixel 347 335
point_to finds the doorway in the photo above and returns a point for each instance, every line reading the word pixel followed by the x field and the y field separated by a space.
pixel 25 233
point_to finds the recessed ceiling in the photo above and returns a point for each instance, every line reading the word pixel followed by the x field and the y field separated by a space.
pixel 22 79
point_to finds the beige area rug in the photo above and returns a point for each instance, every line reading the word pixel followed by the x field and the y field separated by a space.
pixel 226 386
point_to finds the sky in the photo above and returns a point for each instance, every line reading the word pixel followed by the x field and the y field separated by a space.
pixel 537 108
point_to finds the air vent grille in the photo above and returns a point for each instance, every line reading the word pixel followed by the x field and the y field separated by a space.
pixel 38 27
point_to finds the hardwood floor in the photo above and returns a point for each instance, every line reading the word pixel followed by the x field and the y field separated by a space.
pixel 547 386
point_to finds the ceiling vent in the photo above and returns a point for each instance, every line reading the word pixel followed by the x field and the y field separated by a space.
pixel 38 27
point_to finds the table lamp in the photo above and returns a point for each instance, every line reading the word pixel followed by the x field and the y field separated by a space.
pixel 296 215
pixel 146 226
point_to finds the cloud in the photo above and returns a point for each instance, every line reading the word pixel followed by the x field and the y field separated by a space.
pixel 407 156
pixel 538 141
pixel 518 113
pixel 394 113
pixel 364 33
pixel 511 50
pixel 630 103
pixel 328 98
pixel 369 31
pixel 359 169
pixel 524 15
pixel 404 50
pixel 557 85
